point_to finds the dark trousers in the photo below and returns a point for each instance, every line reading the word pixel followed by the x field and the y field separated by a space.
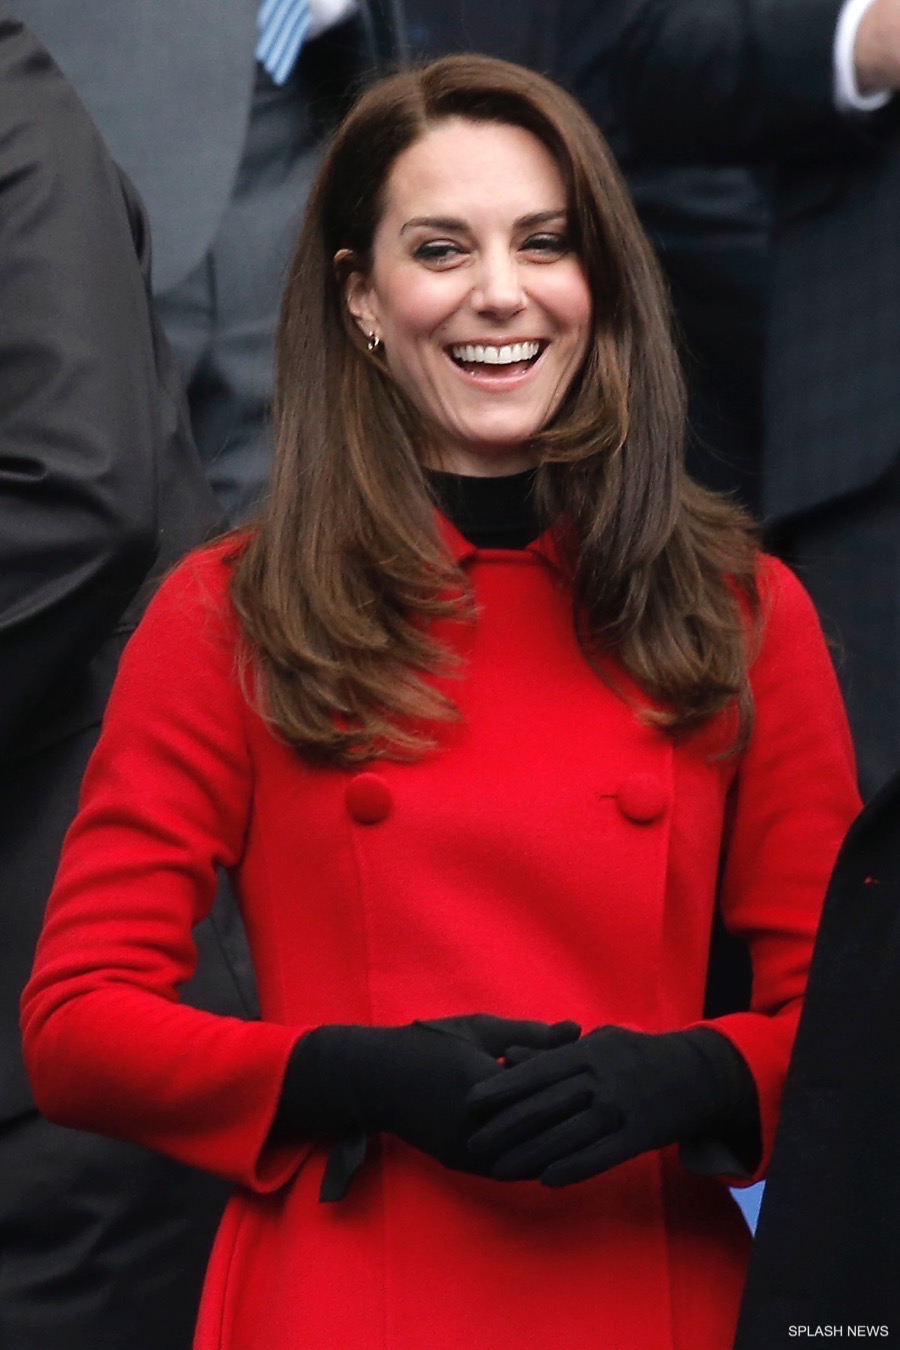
pixel 103 1245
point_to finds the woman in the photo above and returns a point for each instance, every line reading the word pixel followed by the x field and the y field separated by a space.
pixel 463 770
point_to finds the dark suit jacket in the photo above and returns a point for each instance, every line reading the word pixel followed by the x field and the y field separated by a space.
pixel 829 1232
pixel 100 487
pixel 754 77
pixel 524 32
pixel 169 84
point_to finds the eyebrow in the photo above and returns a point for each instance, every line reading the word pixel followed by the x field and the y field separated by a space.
pixel 453 223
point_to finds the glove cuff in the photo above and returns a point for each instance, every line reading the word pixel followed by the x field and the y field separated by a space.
pixel 731 1141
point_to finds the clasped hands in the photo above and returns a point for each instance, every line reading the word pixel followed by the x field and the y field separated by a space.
pixel 559 1108
pixel 568 1114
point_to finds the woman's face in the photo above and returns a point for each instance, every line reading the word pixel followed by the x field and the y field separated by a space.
pixel 483 309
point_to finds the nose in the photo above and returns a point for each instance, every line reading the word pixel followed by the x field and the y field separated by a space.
pixel 498 289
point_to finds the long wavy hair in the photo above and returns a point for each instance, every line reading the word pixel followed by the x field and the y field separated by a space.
pixel 341 579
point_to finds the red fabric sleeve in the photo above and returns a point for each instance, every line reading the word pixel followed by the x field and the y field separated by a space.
pixel 165 801
pixel 793 801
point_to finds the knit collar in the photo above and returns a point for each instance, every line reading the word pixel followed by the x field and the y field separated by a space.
pixel 548 546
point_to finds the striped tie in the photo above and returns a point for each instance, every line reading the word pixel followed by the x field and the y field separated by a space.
pixel 282 27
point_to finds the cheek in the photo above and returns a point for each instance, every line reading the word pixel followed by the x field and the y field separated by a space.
pixel 414 346
pixel 414 313
pixel 570 302
pixel 580 318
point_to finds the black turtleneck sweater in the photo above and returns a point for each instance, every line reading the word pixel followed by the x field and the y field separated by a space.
pixel 489 512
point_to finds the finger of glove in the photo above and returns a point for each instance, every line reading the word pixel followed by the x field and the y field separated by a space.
pixel 497 1034
pixel 519 1054
pixel 591 1162
pixel 564 1140
pixel 526 1078
pixel 562 1033
pixel 514 1125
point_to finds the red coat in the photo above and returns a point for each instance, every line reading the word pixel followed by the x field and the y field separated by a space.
pixel 555 859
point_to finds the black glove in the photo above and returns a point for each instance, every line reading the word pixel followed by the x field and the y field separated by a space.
pixel 574 1112
pixel 346 1082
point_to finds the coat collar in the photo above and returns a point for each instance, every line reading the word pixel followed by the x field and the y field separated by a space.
pixel 548 546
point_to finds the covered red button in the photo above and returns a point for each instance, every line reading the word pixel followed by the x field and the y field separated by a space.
pixel 368 798
pixel 642 798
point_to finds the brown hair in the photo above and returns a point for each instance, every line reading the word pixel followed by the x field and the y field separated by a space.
pixel 337 584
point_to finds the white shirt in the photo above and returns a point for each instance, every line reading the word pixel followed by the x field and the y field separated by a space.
pixel 325 14
pixel 847 95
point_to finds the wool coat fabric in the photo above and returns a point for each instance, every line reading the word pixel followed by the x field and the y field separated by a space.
pixel 555 857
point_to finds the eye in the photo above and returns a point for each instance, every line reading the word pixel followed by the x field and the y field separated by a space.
pixel 547 245
pixel 438 252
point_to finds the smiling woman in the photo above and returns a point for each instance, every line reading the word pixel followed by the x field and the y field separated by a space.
pixel 487 715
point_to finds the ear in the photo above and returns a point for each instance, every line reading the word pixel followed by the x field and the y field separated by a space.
pixel 358 295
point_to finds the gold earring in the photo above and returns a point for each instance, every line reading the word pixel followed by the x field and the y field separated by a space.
pixel 374 342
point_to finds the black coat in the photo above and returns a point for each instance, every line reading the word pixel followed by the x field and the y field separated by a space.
pixel 828 1240
pixel 101 491
pixel 100 487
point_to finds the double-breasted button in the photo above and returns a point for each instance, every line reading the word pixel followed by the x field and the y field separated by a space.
pixel 368 798
pixel 642 798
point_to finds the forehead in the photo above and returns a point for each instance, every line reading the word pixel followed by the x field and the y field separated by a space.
pixel 459 166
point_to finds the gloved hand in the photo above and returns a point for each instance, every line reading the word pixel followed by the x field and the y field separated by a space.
pixel 574 1112
pixel 411 1081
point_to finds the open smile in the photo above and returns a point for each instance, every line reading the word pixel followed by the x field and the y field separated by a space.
pixel 496 363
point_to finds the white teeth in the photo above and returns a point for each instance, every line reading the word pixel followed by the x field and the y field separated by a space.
pixel 495 356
